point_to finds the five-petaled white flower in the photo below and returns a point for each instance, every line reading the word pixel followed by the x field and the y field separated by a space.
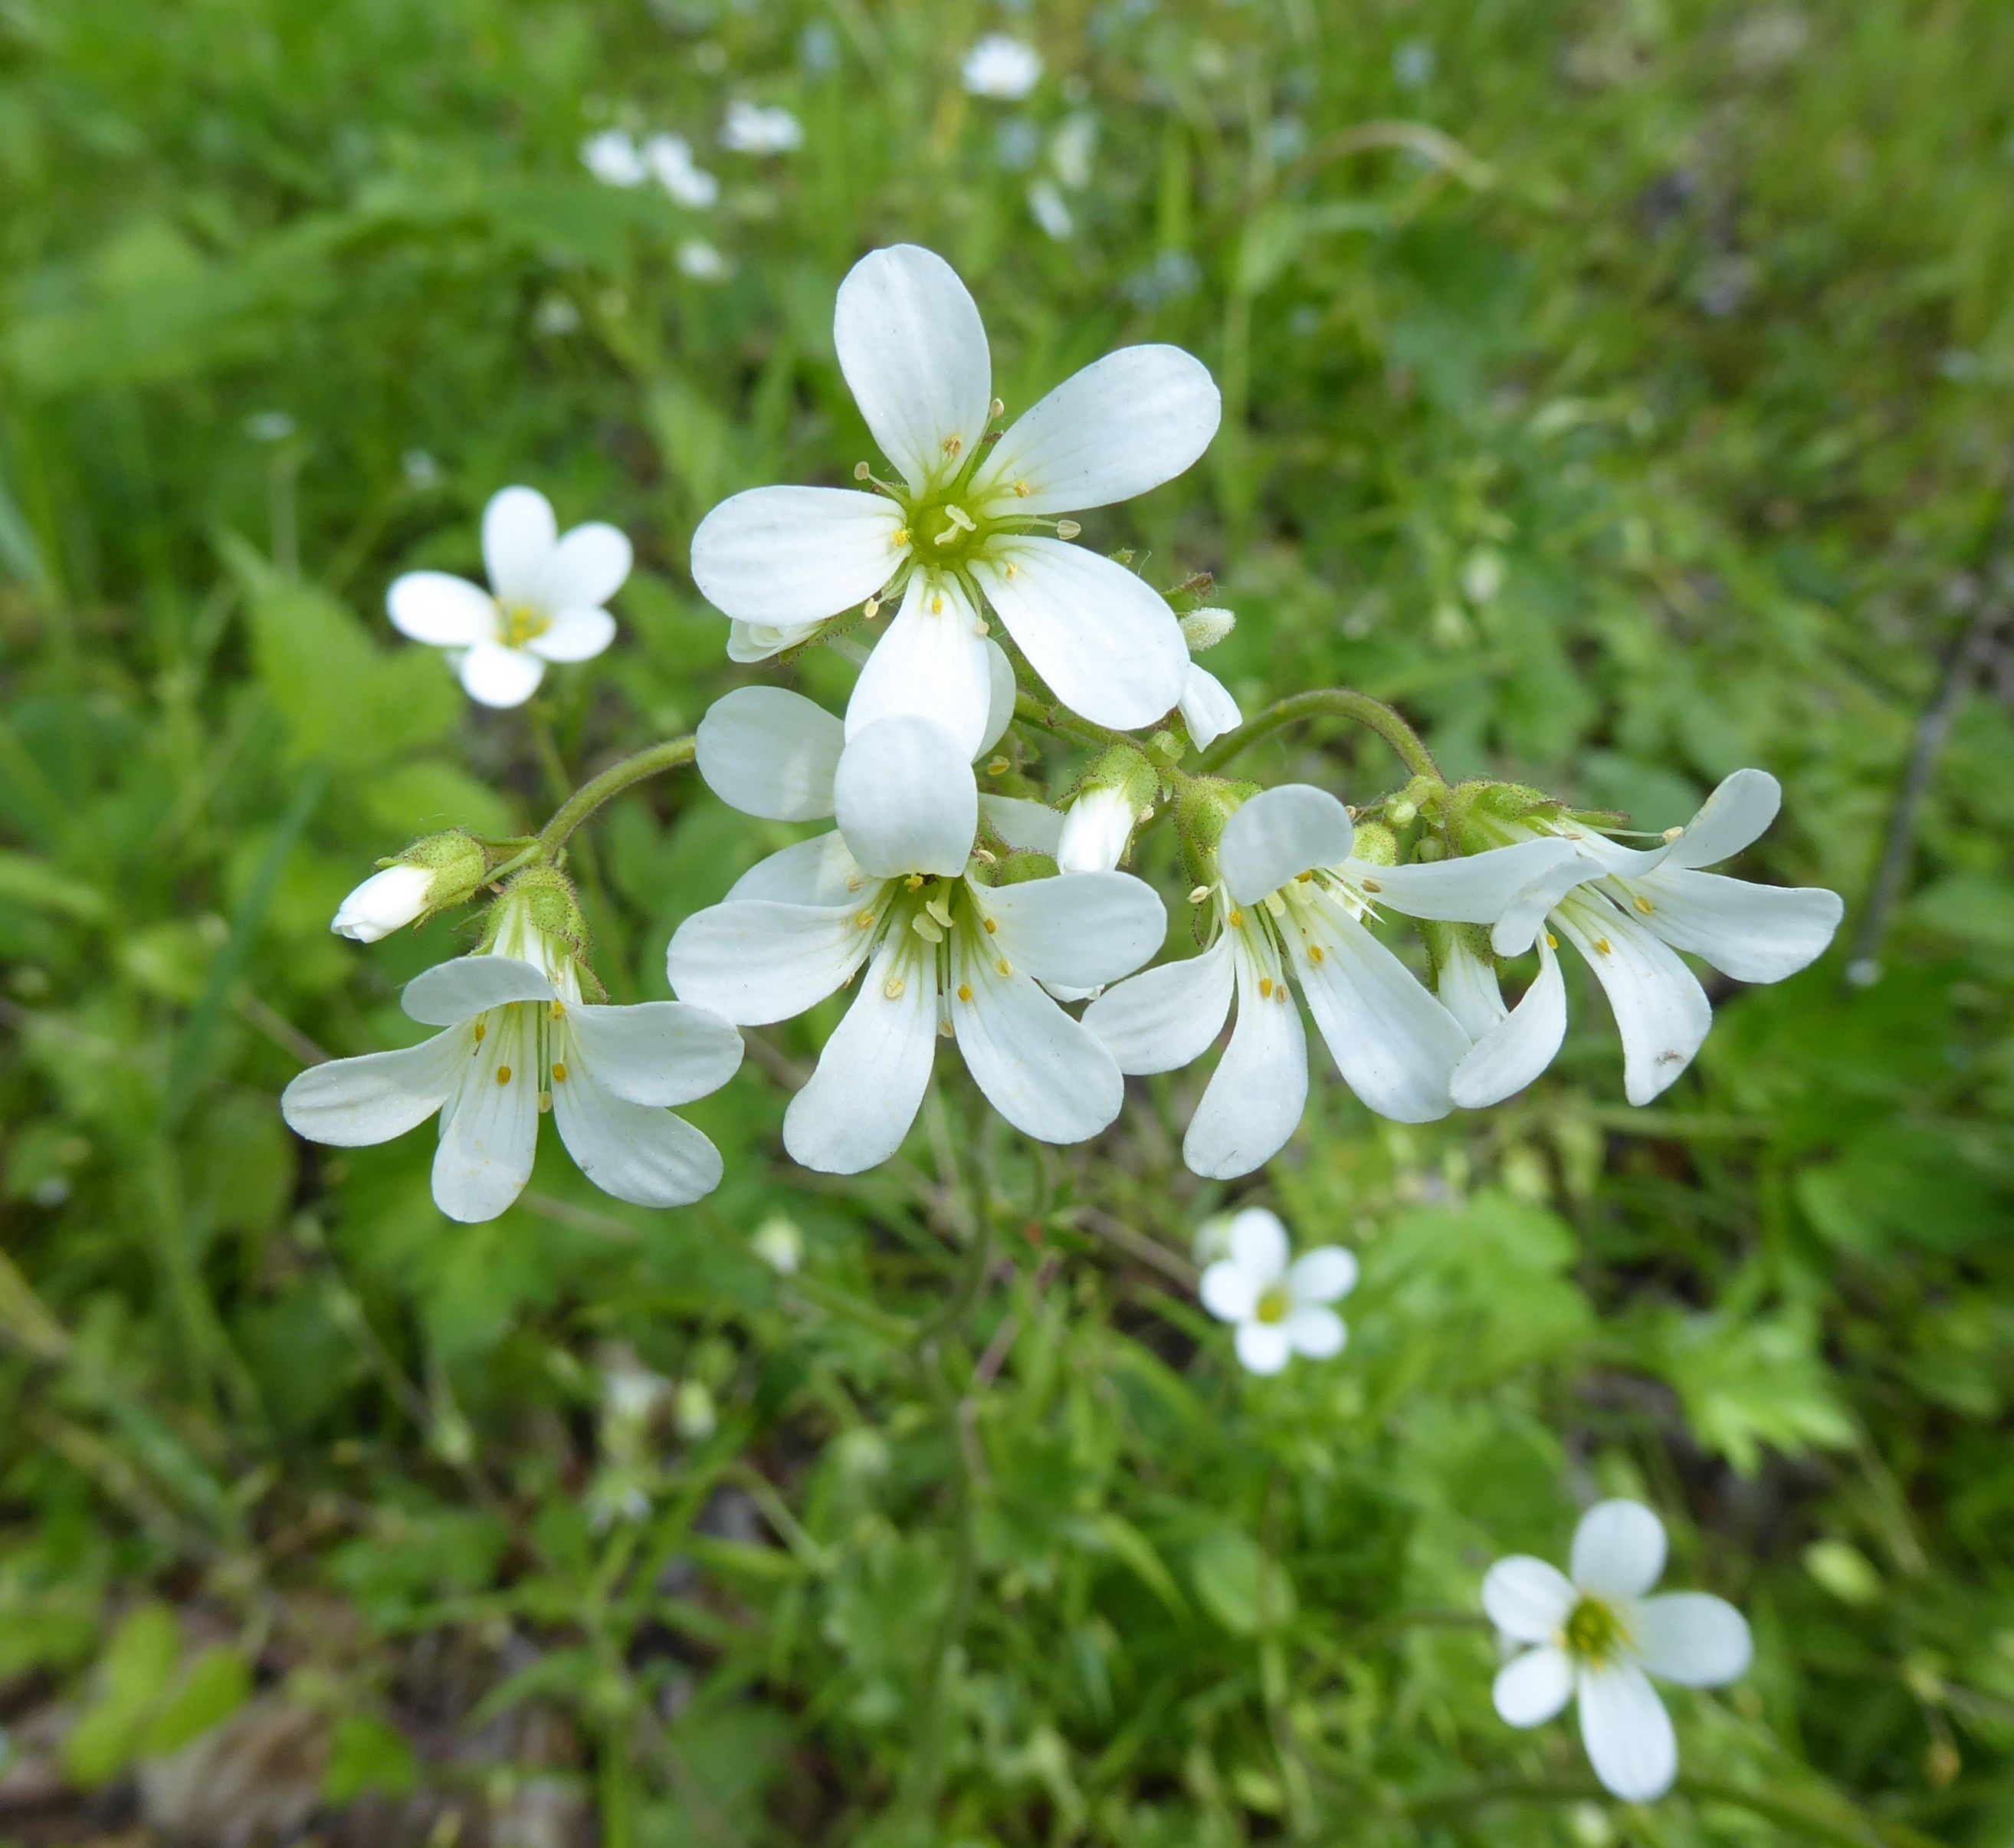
pixel 969 525
pixel 751 129
pixel 1629 911
pixel 543 604
pixel 1002 68
pixel 1281 1307
pixel 614 158
pixel 520 1041
pixel 892 888
pixel 1290 898
pixel 1594 1636
pixel 669 157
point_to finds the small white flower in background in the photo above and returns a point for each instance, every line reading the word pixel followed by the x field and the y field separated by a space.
pixel 386 902
pixel 1291 900
pixel 967 529
pixel 613 157
pixel 669 159
pixel 1629 912
pixel 1070 149
pixel 1278 1303
pixel 1594 1634
pixel 692 1413
pixel 543 605
pixel 889 890
pixel 269 426
pixel 519 1041
pixel 420 470
pixel 633 1393
pixel 1046 207
pixel 751 129
pixel 779 1245
pixel 701 260
pixel 1003 68
pixel 556 317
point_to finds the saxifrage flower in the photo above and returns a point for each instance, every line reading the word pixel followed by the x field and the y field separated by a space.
pixel 1278 1303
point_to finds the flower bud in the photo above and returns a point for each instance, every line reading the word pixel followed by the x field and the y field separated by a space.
pixel 387 901
pixel 1110 802
pixel 1205 628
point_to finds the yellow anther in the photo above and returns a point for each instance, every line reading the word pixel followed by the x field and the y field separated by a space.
pixel 1672 834
pixel 936 605
pixel 557 1009
pixel 1275 903
pixel 1198 895
pixel 965 991
pixel 1008 571
pixel 545 1103
pixel 1266 987
pixel 1602 945
pixel 914 882
pixel 1280 993
pixel 953 444
pixel 863 920
pixel 1372 885
pixel 998 766
pixel 1303 878
pixel 861 472
pixel 503 1075
pixel 980 626
pixel 871 608
pixel 991 926
pixel 481 1030
pixel 996 409
pixel 1021 490
pixel 853 882
pixel 559 1072
pixel 1067 528
pixel 1316 954
pixel 902 539
pixel 1236 920
pixel 892 987
pixel 1551 942
pixel 1005 966
pixel 1644 904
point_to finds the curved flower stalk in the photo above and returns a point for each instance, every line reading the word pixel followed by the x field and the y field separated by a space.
pixel 1278 1303
pixel 1629 912
pixel 518 1041
pixel 543 604
pixel 971 526
pixel 896 888
pixel 1287 911
pixel 1595 1635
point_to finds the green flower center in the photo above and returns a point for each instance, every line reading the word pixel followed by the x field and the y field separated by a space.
pixel 1274 1305
pixel 521 623
pixel 1594 1632
pixel 944 534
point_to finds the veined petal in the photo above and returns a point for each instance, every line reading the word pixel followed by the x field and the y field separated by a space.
pixel 493 674
pixel 1467 985
pixel 1753 933
pixel 771 752
pixel 1526 1599
pixel 750 642
pixel 586 567
pixel 1208 709
pixel 1042 1071
pixel 1315 1332
pixel 1618 1549
pixel 1104 641
pixel 1507 1057
pixel 1082 931
pixel 784 557
pixel 817 872
pixel 932 663
pixel 1691 1638
pixel 490 1130
pixel 752 961
pixel 1034 827
pixel 1165 1017
pixel 913 350
pixel 1263 1346
pixel 575 634
pixel 1123 425
pixel 1281 832
pixel 351 1103
pixel 442 611
pixel 1661 1010
pixel 1229 1291
pixel 1476 889
pixel 1532 1687
pixel 1255 1098
pixel 1000 693
pixel 1627 1732
pixel 646 1156
pixel 1737 814
pixel 519 534
pixel 905 799
pixel 451 992
pixel 654 1052
pixel 1258 1245
pixel 858 1105
pixel 1322 1276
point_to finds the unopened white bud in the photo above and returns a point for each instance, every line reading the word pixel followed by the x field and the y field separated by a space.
pixel 385 902
pixel 1096 829
pixel 1205 628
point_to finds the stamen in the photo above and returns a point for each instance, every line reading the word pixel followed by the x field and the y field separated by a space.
pixel 998 766
pixel 953 444
pixel 1236 920
pixel 1672 834
pixel 1316 954
pixel 481 1030
pixel 946 1031
pixel 1009 569
pixel 1279 992
pixel 996 409
pixel 1266 987
pixel 914 882
pixel 1551 942
pixel 937 603
pixel 902 539
pixel 545 1103
pixel 1198 895
pixel 893 987
pixel 1372 885
pixel 559 1072
pixel 980 626
pixel 965 991
pixel 1275 904
pixel 503 1075
pixel 1005 966
pixel 1067 528
pixel 861 472
pixel 871 608
pixel 855 882
pixel 1602 945
pixel 1021 490
pixel 991 926
pixel 1644 904
pixel 557 1009
pixel 863 920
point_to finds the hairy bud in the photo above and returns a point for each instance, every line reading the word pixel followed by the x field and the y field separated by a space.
pixel 430 875
pixel 1205 628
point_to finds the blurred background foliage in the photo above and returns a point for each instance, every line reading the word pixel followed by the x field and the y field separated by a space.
pixel 1621 386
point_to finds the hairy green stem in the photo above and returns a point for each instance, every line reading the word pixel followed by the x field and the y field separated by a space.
pixel 653 761
pixel 1340 702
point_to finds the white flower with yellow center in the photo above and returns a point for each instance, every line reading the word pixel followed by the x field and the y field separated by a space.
pixel 890 890
pixel 1629 912
pixel 1290 903
pixel 543 604
pixel 1000 67
pixel 971 527
pixel 520 1041
pixel 1595 1635
pixel 1278 1303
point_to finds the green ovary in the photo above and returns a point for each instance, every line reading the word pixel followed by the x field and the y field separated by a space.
pixel 1594 1632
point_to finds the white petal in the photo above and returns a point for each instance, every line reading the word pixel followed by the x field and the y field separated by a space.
pixel 450 992
pixel 1230 1292
pixel 1123 425
pixel 389 900
pixel 1737 814
pixel 1475 889
pixel 1258 1245
pixel 1208 709
pixel 490 1130
pixel 587 567
pixel 905 799
pixel 781 557
pixel 817 872
pixel 519 533
pixel 1104 641
pixel 1526 1599
pixel 1165 1017
pixel 932 663
pixel 1255 1098
pixel 1322 1276
pixel 1395 1045
pixel 1034 828
pixel 493 674
pixel 1618 1549
pixel 1754 933
pixel 1281 832
pixel 1083 931
pixel 1627 1732
pixel 1513 1053
pixel 444 611
pixel 1691 1638
pixel 1518 925
pixel 771 752
pixel 750 642
pixel 754 961
pixel 1532 1687
pixel 1095 830
pixel 578 633
pixel 913 349
pixel 1000 695
pixel 1261 1347
pixel 646 1156
pixel 1316 1332
pixel 1661 1010
pixel 860 1102
pixel 1467 985
pixel 656 1052
pixel 1042 1071
pixel 353 1101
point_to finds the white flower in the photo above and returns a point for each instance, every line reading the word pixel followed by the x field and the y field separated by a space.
pixel 889 889
pixel 1594 1636
pixel 692 1411
pixel 1000 67
pixel 1290 900
pixel 959 535
pixel 1096 827
pixel 614 158
pixel 519 1041
pixel 669 159
pixel 1208 709
pixel 1046 207
pixel 751 129
pixel 779 1245
pixel 543 605
pixel 385 902
pixel 701 260
pixel 1281 1308
pixel 1629 912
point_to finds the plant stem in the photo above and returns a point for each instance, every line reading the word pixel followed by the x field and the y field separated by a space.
pixel 653 761
pixel 1065 725
pixel 1342 703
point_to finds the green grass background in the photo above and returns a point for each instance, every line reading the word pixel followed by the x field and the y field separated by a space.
pixel 1623 389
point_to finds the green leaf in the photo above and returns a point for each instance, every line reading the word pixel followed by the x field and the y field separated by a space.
pixel 367 1755
pixel 217 1684
pixel 1236 1583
